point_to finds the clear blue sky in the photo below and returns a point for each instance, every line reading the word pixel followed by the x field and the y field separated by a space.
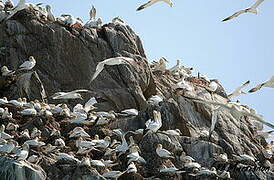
pixel 233 52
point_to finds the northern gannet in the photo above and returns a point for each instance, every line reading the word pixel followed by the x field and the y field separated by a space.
pixel 111 61
pixel 7 148
pixel 177 67
pixel 134 155
pixel 17 103
pixel 92 13
pixel 133 112
pixel 131 168
pixel 6 114
pixel 163 153
pixel 3 134
pixel 6 72
pixel 24 153
pixel 113 174
pixel 78 132
pixel 154 126
pixel 208 172
pixel 191 165
pixel 239 91
pixel 28 65
pixel 97 163
pixel 92 21
pixel 165 169
pixel 252 9
pixel 236 111
pixel 161 65
pixel 28 112
pixel 69 95
pixel 33 159
pixel 245 157
pixel 50 148
pixel 185 159
pixel 68 157
pixel 35 142
pixel 156 99
pixel 151 2
pixel 175 132
pixel 3 100
pixel 269 83
pixel 50 16
pixel 12 127
pixel 35 133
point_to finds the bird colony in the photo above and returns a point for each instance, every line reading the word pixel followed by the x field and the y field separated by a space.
pixel 74 134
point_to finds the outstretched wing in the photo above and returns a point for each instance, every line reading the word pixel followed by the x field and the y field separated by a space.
pixel 256 88
pixel 256 4
pixel 234 15
pixel 99 68
pixel 92 13
pixel 149 3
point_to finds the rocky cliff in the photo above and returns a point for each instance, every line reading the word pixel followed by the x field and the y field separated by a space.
pixel 66 60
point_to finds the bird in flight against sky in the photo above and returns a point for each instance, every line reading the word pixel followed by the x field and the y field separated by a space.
pixel 252 9
pixel 151 2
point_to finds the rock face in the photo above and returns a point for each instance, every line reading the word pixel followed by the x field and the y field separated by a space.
pixel 66 60
pixel 12 170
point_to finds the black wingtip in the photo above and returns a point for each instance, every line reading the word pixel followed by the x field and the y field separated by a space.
pixel 140 8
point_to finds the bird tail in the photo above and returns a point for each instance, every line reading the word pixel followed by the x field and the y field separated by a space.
pixel 254 11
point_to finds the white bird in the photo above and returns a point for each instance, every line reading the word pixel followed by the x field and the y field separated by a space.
pixel 35 133
pixel 6 72
pixel 186 159
pixel 29 112
pixel 163 153
pixel 17 103
pixel 24 153
pixel 3 134
pixel 89 104
pixel 252 9
pixel 92 21
pixel 7 148
pixel 161 65
pixel 177 67
pixel 131 168
pixel 97 163
pixel 68 157
pixel 3 100
pixel 113 174
pixel 78 132
pixel 35 142
pixel 155 99
pixel 269 83
pixel 236 111
pixel 134 155
pixel 239 90
pixel 102 143
pixel 245 157
pixel 49 148
pixel 211 172
pixel 12 127
pixel 213 86
pixel 123 147
pixel 69 95
pixel 164 169
pixel 154 126
pixel 111 61
pixel 50 16
pixel 25 134
pixel 191 165
pixel 171 132
pixel 92 13
pixel 184 85
pixel 151 2
pixel 133 112
pixel 28 65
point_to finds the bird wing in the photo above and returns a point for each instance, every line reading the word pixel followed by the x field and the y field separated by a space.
pixel 26 64
pixel 256 88
pixel 256 117
pixel 234 15
pixel 256 4
pixel 149 3
pixel 239 89
pixel 78 91
pixel 165 152
pixel 271 80
pixel 99 68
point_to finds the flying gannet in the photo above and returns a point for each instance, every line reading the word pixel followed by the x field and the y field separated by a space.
pixel 252 9
pixel 236 111
pixel 239 90
pixel 269 83
pixel 111 61
pixel 69 95
pixel 28 65
pixel 151 2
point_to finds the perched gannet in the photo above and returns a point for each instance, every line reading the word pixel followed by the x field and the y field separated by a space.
pixel 69 95
pixel 164 169
pixel 211 172
pixel 3 100
pixel 97 163
pixel 161 65
pixel 50 16
pixel 134 155
pixel 236 111
pixel 113 174
pixel 175 132
pixel 49 148
pixel 163 153
pixel 25 134
pixel 28 65
pixel 3 134
pixel 28 112
pixel 7 148
pixel 109 163
pixel 191 165
pixel 186 159
pixel 111 61
pixel 131 168
pixel 85 161
pixel 156 99
pixel 221 158
pixel 99 22
pixel 184 85
pixel 35 133
pixel 133 112
pixel 78 132
pixel 6 72
pixel 123 147
pixel 213 86
pixel 17 103
pixel 269 83
pixel 252 9
pixel 151 2
pixel 12 127
pixel 239 91
pixel 131 141
pixel 103 143
pixel 89 104
pixel 59 142
pixel 118 20
pixel 92 13
pixel 6 114
pixel 177 67
pixel 24 153
pixel 245 157
pixel 35 142
pixel 68 157
pixel 154 126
